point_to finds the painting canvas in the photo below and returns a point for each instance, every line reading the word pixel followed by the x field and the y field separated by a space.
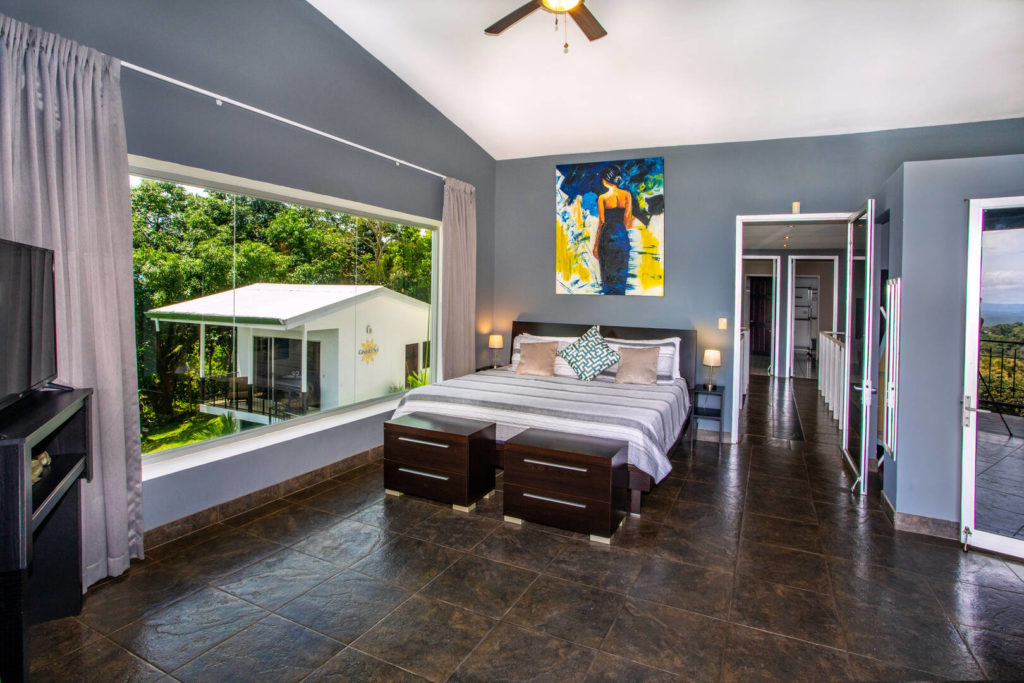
pixel 610 220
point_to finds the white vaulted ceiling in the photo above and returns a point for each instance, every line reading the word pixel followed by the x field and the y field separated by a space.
pixel 674 72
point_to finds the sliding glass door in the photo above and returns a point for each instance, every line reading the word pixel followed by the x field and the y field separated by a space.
pixel 861 354
pixel 993 402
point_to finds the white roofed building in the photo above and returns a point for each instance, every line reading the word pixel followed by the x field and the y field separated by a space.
pixel 306 348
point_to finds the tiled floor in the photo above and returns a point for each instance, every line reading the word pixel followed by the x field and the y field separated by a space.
pixel 755 564
pixel 999 478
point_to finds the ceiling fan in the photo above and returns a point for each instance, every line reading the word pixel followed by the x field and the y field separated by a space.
pixel 574 8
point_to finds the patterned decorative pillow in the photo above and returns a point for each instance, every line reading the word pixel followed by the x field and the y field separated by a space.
pixel 589 355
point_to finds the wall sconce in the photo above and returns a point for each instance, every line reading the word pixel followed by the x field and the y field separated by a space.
pixel 712 359
pixel 723 323
pixel 369 330
pixel 495 342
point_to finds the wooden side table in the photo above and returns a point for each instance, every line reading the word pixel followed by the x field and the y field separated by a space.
pixel 708 404
pixel 449 459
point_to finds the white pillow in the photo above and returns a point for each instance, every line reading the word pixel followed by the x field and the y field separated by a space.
pixel 562 369
pixel 668 356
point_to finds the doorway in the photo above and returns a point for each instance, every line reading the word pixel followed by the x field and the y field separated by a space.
pixel 813 289
pixel 760 312
pixel 992 513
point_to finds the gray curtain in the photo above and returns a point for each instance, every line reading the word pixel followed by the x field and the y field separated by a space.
pixel 458 279
pixel 64 186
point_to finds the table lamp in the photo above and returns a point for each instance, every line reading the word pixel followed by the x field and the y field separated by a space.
pixel 495 342
pixel 712 359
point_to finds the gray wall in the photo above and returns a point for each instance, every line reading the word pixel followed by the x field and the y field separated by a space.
pixel 706 186
pixel 933 265
pixel 285 57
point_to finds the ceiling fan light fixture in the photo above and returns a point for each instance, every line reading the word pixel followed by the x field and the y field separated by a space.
pixel 559 6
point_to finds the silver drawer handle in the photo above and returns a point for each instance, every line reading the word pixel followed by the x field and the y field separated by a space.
pixel 555 500
pixel 555 464
pixel 425 443
pixel 423 474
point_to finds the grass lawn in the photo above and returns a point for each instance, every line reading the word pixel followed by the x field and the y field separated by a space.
pixel 188 430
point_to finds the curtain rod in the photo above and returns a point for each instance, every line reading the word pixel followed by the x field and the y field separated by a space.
pixel 301 126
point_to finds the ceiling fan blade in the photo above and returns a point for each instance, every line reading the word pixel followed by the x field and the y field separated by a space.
pixel 591 28
pixel 512 17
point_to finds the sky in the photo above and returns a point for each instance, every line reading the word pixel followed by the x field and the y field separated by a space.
pixel 1002 266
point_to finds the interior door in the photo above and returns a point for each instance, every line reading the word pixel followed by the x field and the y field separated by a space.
pixel 993 402
pixel 858 444
pixel 760 315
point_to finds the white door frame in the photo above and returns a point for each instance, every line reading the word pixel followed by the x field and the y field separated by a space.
pixel 791 294
pixel 969 535
pixel 788 219
pixel 776 301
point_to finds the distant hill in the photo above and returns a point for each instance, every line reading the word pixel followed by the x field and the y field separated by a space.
pixel 996 314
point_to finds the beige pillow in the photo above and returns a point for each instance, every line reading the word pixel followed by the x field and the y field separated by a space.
pixel 537 359
pixel 638 366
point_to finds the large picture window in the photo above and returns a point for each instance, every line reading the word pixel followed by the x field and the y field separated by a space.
pixel 252 311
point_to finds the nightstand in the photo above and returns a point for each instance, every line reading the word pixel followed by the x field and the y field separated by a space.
pixel 708 404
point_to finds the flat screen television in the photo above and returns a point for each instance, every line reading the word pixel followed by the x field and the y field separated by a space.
pixel 28 343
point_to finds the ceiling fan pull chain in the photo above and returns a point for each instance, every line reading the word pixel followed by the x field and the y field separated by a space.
pixel 565 28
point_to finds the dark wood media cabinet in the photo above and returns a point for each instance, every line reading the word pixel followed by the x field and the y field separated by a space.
pixel 570 481
pixel 40 524
pixel 449 459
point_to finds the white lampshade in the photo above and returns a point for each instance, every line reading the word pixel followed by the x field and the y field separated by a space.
pixel 712 358
pixel 495 341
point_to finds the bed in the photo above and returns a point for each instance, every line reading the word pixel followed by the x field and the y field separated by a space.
pixel 651 418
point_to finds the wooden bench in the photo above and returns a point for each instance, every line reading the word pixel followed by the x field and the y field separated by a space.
pixel 570 481
pixel 443 458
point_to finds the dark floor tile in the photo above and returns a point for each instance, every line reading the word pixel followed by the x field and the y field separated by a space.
pixel 371 475
pixel 723 492
pixel 656 508
pixel 221 555
pixel 637 534
pixel 453 529
pixel 667 488
pixel 481 585
pixel 395 513
pixel 1000 655
pixel 491 507
pixel 408 562
pixel 345 606
pixel 597 565
pixel 667 638
pixel 607 668
pixel 310 491
pixel 352 665
pixel 782 532
pixel 290 525
pixel 257 512
pixel 693 545
pixel 783 565
pixel 688 586
pixel 757 656
pixel 713 520
pixel 787 611
pixel 273 649
pixel 853 519
pixel 783 486
pixel 951 564
pixel 774 504
pixel 173 548
pixel 785 464
pixel 275 580
pixel 136 593
pixel 52 640
pixel 344 499
pixel 521 546
pixel 567 610
pixel 860 583
pixel 513 654
pixel 345 543
pixel 173 636
pixel 973 605
pixel 425 637
pixel 99 661
pixel 874 671
pixel 907 640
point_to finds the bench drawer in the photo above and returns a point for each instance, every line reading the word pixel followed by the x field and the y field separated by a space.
pixel 559 472
pixel 437 450
pixel 561 510
pixel 426 482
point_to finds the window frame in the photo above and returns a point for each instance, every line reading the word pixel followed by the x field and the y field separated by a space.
pixel 166 461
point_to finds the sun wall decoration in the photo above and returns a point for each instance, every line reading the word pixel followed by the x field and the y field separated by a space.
pixel 610 234
pixel 368 351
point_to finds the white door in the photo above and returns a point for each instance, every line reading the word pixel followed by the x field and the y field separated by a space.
pixel 992 512
pixel 861 352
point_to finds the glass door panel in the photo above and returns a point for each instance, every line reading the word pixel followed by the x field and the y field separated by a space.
pixel 860 348
pixel 993 416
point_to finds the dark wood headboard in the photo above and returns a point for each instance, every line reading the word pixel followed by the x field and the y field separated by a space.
pixel 687 344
